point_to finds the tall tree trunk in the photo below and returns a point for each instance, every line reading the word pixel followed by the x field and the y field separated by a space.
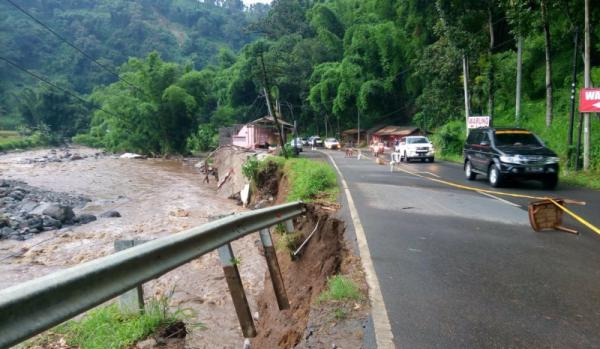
pixel 587 83
pixel 266 89
pixel 466 90
pixel 547 45
pixel 490 74
pixel 519 79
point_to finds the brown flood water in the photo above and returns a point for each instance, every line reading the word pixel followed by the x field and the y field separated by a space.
pixel 155 198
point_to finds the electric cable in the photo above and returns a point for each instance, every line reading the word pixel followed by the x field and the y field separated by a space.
pixel 41 78
pixel 85 54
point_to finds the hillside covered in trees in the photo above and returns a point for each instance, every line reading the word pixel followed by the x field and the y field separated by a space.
pixel 327 62
pixel 185 31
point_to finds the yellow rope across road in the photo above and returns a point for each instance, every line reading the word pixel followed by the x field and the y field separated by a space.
pixel 578 218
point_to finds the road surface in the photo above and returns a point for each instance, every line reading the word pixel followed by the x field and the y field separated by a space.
pixel 459 269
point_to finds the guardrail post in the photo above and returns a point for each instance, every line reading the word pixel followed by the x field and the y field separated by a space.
pixel 274 271
pixel 131 301
pixel 289 226
pixel 234 282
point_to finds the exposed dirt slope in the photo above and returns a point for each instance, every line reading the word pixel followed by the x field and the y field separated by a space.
pixel 304 279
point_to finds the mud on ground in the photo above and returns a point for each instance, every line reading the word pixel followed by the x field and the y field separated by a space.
pixel 309 323
pixel 155 197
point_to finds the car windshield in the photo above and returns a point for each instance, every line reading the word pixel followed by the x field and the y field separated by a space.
pixel 419 140
pixel 330 140
pixel 516 138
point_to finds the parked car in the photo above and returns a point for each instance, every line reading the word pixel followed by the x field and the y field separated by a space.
pixel 296 144
pixel 315 141
pixel 331 143
pixel 415 147
pixel 377 148
pixel 509 153
pixel 304 141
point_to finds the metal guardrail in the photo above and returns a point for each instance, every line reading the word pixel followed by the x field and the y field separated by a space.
pixel 31 307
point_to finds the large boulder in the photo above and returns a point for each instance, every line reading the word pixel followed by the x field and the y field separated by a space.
pixel 18 195
pixel 51 223
pixel 28 205
pixel 35 223
pixel 62 213
pixel 6 233
pixel 85 218
pixel 111 214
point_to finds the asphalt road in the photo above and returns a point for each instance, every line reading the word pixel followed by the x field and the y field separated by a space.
pixel 458 269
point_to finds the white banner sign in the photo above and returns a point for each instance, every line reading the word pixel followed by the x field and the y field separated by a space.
pixel 478 121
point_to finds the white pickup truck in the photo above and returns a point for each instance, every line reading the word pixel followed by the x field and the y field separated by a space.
pixel 415 147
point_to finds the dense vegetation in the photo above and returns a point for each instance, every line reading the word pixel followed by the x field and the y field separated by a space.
pixel 111 327
pixel 390 61
pixel 184 31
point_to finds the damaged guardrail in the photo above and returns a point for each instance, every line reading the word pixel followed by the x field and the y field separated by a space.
pixel 34 306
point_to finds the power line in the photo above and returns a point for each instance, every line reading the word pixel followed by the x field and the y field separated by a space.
pixel 88 103
pixel 73 46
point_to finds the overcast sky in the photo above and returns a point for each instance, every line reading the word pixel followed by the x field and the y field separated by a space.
pixel 249 2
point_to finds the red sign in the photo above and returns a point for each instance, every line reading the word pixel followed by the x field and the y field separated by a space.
pixel 589 100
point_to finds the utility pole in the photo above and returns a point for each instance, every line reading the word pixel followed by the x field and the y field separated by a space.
pixel 358 134
pixel 587 83
pixel 519 79
pixel 572 111
pixel 466 88
pixel 268 99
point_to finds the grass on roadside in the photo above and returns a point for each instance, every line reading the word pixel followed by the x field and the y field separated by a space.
pixel 340 288
pixel 458 158
pixel 311 180
pixel 582 179
pixel 308 180
pixel 109 327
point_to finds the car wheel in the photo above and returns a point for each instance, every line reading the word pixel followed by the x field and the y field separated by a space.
pixel 550 182
pixel 432 159
pixel 469 171
pixel 495 177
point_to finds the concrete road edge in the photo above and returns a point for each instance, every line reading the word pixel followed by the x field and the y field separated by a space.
pixel 381 322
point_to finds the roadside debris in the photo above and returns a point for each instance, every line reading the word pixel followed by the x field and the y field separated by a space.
pixel 131 156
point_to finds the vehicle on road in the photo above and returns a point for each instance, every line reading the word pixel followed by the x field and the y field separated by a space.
pixel 296 144
pixel 315 141
pixel 415 147
pixel 377 148
pixel 331 143
pixel 509 153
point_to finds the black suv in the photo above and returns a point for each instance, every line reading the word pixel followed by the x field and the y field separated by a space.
pixel 503 153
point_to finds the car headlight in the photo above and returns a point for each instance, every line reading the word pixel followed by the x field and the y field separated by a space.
pixel 516 159
pixel 552 160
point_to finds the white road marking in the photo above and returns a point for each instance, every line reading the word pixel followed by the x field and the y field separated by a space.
pixel 499 199
pixel 381 321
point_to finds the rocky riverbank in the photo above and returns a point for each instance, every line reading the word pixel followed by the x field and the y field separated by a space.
pixel 156 198
pixel 26 210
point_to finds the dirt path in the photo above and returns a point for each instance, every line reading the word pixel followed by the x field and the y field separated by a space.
pixel 155 198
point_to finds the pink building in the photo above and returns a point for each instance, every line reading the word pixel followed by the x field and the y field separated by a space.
pixel 260 133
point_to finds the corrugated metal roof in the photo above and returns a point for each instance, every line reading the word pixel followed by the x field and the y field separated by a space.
pixel 396 131
pixel 269 120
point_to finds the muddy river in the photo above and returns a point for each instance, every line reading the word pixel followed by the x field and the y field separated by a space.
pixel 155 198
